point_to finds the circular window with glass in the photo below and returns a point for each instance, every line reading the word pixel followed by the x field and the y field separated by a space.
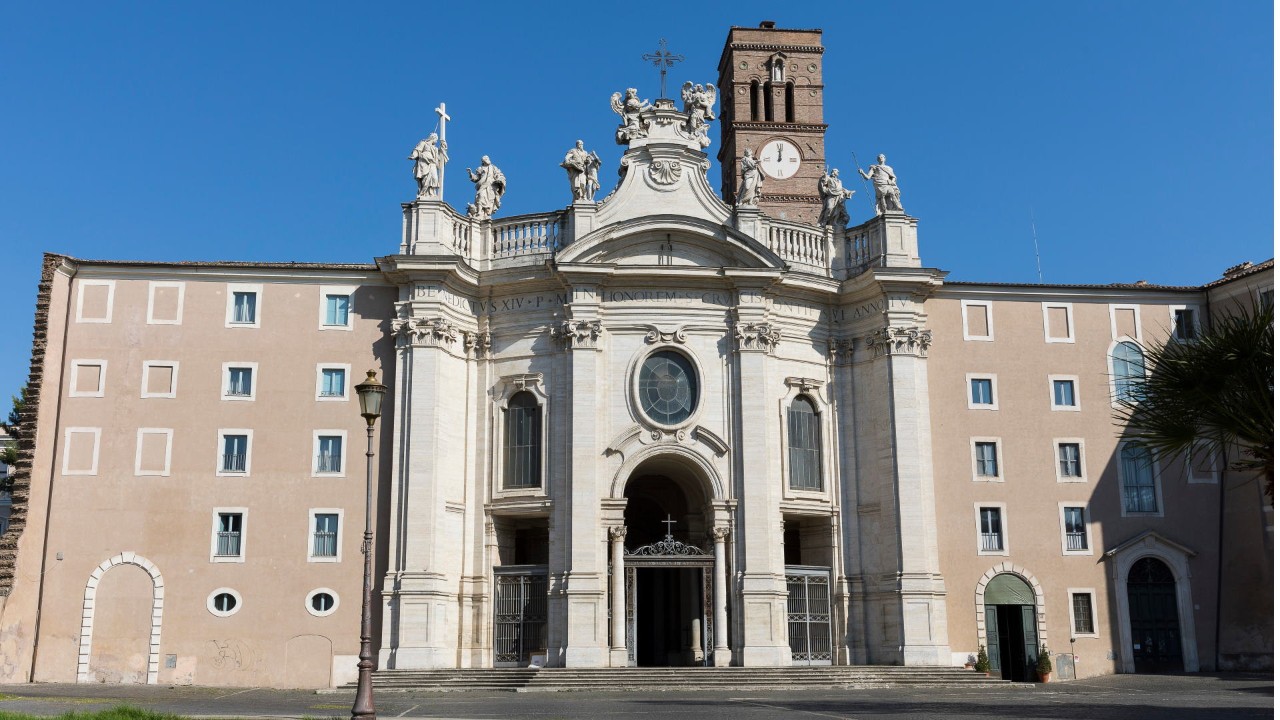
pixel 321 602
pixel 668 387
pixel 223 602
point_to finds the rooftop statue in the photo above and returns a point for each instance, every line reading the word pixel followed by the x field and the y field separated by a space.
pixel 491 185
pixel 697 104
pixel 583 168
pixel 428 165
pixel 630 107
pixel 888 197
pixel 833 195
pixel 749 192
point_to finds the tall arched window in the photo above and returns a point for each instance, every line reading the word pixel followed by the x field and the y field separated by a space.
pixel 768 101
pixel 1127 370
pixel 1138 479
pixel 755 100
pixel 804 441
pixel 791 101
pixel 523 449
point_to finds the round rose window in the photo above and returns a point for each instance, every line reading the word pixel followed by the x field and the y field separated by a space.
pixel 668 388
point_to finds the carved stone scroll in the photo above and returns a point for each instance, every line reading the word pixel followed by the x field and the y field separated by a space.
pixel 756 337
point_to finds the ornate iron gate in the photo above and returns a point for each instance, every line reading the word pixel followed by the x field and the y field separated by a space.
pixel 1153 618
pixel 809 614
pixel 671 553
pixel 519 614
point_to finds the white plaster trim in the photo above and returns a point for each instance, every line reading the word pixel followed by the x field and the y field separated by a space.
pixel 151 299
pixel 964 317
pixel 507 388
pixel 1071 321
pixel 1053 398
pixel 1196 311
pixel 1042 630
pixel 322 613
pixel 1137 319
pixel 1004 527
pixel 1057 460
pixel 208 603
pixel 74 390
pixel 325 292
pixel 311 533
pixel 1194 478
pixel 795 388
pixel 346 381
pixel 90 597
pixel 1177 560
pixel 1062 527
pixel 111 299
pixel 248 452
pixel 66 449
pixel 173 387
pixel 243 512
pixel 995 391
pixel 973 460
pixel 315 453
pixel 168 452
pixel 253 380
pixel 1155 477
pixel 232 289
pixel 1071 611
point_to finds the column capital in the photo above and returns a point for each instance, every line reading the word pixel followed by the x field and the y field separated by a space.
pixel 720 533
pixel 906 340
pixel 756 337
pixel 618 533
pixel 578 334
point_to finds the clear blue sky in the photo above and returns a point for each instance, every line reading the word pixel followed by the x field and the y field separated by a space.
pixel 1139 131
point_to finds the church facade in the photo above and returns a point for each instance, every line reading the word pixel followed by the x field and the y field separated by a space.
pixel 669 427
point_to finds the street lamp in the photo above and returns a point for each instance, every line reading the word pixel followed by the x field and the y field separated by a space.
pixel 370 392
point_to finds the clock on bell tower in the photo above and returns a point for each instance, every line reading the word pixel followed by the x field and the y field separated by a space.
pixel 771 102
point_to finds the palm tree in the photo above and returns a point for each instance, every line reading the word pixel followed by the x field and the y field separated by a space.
pixel 1216 390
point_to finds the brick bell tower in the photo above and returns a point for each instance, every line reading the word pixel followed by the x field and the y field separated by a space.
pixel 771 101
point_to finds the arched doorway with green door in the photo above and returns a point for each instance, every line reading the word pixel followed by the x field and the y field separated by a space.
pixel 1011 623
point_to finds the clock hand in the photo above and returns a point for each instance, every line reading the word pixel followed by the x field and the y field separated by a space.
pixel 779 152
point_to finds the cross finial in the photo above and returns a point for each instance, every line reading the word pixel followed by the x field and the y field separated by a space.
pixel 668 522
pixel 662 59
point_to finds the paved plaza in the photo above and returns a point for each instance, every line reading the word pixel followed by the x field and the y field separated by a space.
pixel 1122 697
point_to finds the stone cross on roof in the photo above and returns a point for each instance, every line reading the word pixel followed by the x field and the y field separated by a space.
pixel 663 59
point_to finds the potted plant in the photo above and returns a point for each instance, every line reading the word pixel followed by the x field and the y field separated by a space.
pixel 1044 664
pixel 983 665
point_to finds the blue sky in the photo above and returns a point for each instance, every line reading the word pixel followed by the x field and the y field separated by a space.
pixel 1140 132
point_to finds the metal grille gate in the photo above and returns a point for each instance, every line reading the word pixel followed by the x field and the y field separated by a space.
pixel 670 553
pixel 519 615
pixel 809 614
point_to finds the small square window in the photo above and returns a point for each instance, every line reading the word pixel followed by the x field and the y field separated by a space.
pixel 1064 393
pixel 1059 326
pixel 240 382
pixel 244 308
pixel 986 459
pixel 333 383
pixel 1185 326
pixel 337 309
pixel 324 537
pixel 976 317
pixel 983 392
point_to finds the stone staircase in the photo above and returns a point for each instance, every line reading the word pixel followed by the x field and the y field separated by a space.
pixel 675 679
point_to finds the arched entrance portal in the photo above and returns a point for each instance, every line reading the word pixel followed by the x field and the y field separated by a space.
pixel 669 569
pixel 1010 606
pixel 1153 617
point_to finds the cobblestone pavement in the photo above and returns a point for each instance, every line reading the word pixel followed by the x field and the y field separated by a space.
pixel 1121 697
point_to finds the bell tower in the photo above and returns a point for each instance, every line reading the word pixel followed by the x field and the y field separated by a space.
pixel 771 102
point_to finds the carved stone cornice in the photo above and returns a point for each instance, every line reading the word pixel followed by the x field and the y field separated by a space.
pixel 522 381
pixel 804 384
pixel 756 337
pixel 900 341
pixel 477 344
pixel 576 334
pixel 840 350
pixel 656 334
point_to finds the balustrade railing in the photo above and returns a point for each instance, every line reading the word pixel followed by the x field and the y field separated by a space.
pixel 799 244
pixel 461 236
pixel 1076 541
pixel 992 542
pixel 859 248
pixel 527 235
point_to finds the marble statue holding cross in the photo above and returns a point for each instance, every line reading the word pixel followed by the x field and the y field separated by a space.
pixel 429 160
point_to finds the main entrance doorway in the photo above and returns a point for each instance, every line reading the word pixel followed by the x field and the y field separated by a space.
pixel 1011 628
pixel 1153 618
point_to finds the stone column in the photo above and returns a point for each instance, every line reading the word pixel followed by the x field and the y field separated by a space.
pixel 722 653
pixel 618 606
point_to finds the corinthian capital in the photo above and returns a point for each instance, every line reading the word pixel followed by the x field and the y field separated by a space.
pixel 618 532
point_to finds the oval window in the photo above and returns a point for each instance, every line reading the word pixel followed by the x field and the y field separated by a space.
pixel 668 387
pixel 321 602
pixel 223 602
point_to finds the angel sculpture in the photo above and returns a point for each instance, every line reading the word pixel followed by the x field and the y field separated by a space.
pixel 629 108
pixel 697 104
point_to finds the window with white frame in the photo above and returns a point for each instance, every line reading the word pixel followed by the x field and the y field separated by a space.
pixel 331 382
pixel 1084 614
pixel 804 444
pixel 336 307
pixel 159 378
pixel 991 534
pixel 228 535
pixel 244 305
pixel 1070 459
pixel 1266 297
pixel 1186 323
pixel 986 459
pixel 1138 480
pixel 80 450
pixel 1128 369
pixel 239 380
pixel 1059 323
pixel 982 392
pixel 223 602
pixel 1075 532
pixel 977 319
pixel 1064 392
pixel 522 442
pixel 321 602
pixel 88 378
pixel 233 452
pixel 330 446
pixel 325 537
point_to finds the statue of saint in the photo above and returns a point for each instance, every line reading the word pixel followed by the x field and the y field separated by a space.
pixel 833 197
pixel 491 184
pixel 428 165
pixel 749 192
pixel 888 197
pixel 582 166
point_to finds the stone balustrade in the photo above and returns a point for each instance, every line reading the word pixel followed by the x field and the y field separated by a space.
pixel 527 235
pixel 800 244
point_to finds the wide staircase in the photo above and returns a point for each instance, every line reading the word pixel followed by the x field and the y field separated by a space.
pixel 676 679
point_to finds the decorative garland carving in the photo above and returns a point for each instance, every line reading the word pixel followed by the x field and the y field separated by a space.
pixel 578 333
pixel 901 341
pixel 756 337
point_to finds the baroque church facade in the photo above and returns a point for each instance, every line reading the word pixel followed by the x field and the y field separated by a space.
pixel 669 427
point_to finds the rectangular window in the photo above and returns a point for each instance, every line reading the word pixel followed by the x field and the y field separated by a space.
pixel 1064 394
pixel 336 309
pixel 235 454
pixel 986 459
pixel 1138 478
pixel 1069 465
pixel 159 378
pixel 240 382
pixel 1082 621
pixel 1074 527
pixel 324 539
pixel 977 320
pixel 991 529
pixel 333 382
pixel 983 393
pixel 1184 324
pixel 1058 323
pixel 244 308
pixel 328 454
pixel 88 378
pixel 228 535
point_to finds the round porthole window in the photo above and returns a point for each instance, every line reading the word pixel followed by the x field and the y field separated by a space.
pixel 321 602
pixel 223 602
pixel 668 387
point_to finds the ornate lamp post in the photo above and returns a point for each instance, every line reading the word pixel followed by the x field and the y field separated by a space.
pixel 370 392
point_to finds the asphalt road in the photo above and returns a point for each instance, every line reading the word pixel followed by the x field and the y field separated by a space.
pixel 1122 697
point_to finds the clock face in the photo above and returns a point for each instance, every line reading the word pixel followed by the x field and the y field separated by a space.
pixel 780 159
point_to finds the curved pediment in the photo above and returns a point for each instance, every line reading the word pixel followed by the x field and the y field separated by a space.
pixel 675 240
